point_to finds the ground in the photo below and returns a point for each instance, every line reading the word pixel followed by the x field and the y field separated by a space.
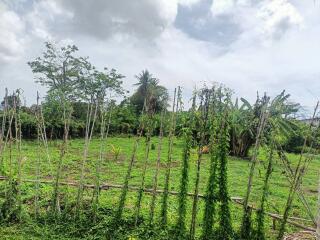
pixel 113 171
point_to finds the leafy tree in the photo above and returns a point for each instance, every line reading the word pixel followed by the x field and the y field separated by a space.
pixel 59 69
pixel 10 100
pixel 245 121
pixel 149 93
pixel 125 119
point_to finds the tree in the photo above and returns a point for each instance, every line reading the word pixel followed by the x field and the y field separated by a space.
pixel 149 93
pixel 245 121
pixel 10 100
pixel 59 70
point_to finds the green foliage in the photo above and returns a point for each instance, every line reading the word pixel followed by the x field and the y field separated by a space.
pixel 78 91
pixel 245 120
pixel 156 174
pixel 111 172
pixel 259 234
pixel 211 196
pixel 225 230
pixel 116 151
pixel 184 182
pixel 164 203
pixel 146 162
pixel 246 225
pixel 149 92
pixel 10 210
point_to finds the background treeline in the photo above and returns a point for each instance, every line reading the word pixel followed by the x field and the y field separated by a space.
pixel 125 121
pixel 126 113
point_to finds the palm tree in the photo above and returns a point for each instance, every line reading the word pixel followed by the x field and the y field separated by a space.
pixel 149 94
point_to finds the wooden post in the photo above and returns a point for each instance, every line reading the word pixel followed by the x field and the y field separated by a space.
pixel 318 220
pixel 274 224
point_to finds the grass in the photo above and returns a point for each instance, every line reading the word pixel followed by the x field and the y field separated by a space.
pixel 114 169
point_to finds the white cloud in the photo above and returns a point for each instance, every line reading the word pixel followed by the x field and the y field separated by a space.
pixel 11 37
pixel 188 3
pixel 222 6
pixel 278 16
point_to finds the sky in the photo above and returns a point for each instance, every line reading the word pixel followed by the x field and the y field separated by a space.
pixel 247 45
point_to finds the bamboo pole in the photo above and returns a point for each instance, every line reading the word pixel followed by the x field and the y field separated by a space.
pixel 104 133
pixel 290 176
pixel 37 187
pixel 125 186
pixel 318 220
pixel 155 178
pixel 91 116
pixel 2 131
pixel 169 159
pixel 204 118
pixel 297 177
pixel 43 132
pixel 63 149
pixel 142 184
pixel 246 219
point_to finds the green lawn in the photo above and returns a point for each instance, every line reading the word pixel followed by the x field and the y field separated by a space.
pixel 114 171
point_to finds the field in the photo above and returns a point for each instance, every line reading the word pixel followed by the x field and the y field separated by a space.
pixel 114 169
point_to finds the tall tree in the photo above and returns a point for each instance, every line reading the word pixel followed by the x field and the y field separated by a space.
pixel 59 70
pixel 149 93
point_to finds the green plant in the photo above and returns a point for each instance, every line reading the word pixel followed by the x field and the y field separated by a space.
pixel 116 151
pixel 225 227
pixel 246 219
pixel 153 146
pixel 10 211
pixel 303 162
pixel 123 196
pixel 260 231
pixel 164 204
pixel 204 95
pixel 212 185
pixel 184 179
pixel 156 174
pixel 146 161
pixel 104 134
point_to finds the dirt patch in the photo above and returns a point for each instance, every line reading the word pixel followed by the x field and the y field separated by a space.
pixel 304 235
pixel 311 190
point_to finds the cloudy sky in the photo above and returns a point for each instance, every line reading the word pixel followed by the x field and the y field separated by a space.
pixel 249 45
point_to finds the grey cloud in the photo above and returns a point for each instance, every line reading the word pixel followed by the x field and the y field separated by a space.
pixel 104 18
pixel 199 23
